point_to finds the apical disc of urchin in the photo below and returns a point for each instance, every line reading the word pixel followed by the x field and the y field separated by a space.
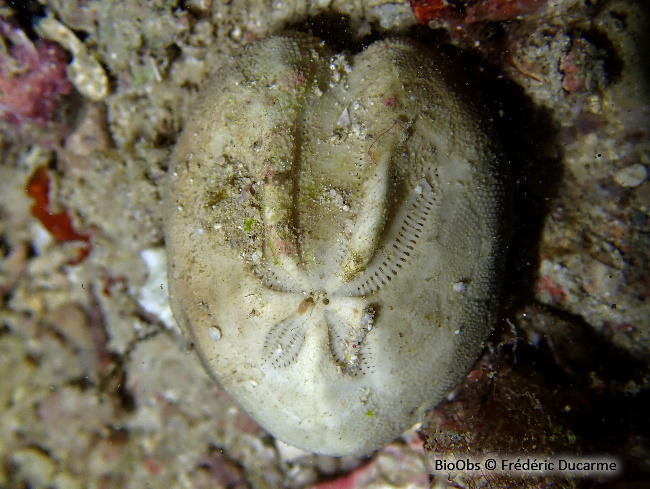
pixel 335 237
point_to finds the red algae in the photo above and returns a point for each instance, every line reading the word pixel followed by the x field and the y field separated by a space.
pixel 426 11
pixel 500 10
pixel 32 78
pixel 59 224
pixel 472 24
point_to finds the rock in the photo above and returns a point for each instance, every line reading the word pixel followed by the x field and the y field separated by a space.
pixel 631 176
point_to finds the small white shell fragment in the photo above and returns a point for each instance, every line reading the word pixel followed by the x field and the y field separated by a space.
pixel 459 287
pixel 631 176
pixel 344 120
pixel 215 333
pixel 153 296
pixel 335 282
pixel 85 72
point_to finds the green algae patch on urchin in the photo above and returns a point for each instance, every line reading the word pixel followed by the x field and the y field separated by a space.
pixel 352 261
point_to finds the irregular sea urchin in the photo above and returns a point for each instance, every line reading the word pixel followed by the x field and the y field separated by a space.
pixel 335 237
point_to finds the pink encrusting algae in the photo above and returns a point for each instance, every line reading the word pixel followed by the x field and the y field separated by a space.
pixel 33 79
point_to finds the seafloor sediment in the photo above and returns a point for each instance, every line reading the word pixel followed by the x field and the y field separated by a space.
pixel 101 389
